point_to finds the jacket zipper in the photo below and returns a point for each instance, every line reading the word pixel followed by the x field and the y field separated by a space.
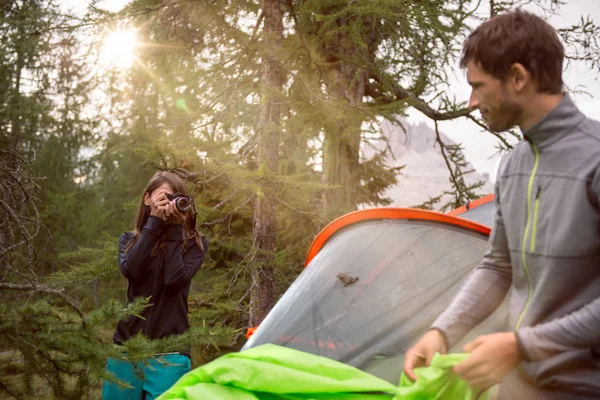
pixel 526 234
pixel 536 210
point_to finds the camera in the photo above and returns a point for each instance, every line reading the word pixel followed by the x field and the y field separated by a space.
pixel 182 201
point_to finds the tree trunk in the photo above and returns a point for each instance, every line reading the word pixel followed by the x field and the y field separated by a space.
pixel 264 225
pixel 341 147
pixel 16 110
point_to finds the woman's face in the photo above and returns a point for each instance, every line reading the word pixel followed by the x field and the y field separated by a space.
pixel 157 193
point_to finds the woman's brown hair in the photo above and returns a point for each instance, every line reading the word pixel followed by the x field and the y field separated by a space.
pixel 178 186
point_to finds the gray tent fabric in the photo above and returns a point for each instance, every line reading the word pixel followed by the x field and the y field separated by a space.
pixel 408 271
pixel 483 214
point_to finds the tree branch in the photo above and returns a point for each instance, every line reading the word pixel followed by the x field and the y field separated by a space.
pixel 313 215
pixel 219 220
pixel 182 173
pixel 498 136
pixel 412 100
pixel 44 289
pixel 446 160
pixel 8 390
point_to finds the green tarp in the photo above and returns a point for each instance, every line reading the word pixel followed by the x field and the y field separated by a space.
pixel 271 372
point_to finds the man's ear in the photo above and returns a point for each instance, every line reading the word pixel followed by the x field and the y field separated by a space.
pixel 519 77
pixel 147 198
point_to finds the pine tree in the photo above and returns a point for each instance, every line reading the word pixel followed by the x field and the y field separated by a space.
pixel 345 65
pixel 264 232
pixel 264 109
pixel 52 336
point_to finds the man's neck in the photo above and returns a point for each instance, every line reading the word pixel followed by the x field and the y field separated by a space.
pixel 537 108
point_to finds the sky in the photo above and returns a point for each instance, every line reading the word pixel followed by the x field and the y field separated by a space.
pixel 479 147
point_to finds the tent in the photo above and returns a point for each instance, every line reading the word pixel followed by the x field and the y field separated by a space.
pixel 481 210
pixel 375 280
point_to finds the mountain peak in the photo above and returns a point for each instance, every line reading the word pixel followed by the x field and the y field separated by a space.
pixel 425 174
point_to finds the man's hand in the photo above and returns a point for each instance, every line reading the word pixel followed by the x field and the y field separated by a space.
pixel 422 352
pixel 492 358
pixel 173 215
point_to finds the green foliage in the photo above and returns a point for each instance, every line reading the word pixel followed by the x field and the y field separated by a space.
pixel 79 141
pixel 59 342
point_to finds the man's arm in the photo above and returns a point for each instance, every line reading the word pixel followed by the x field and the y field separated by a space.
pixel 482 293
pixel 484 290
pixel 578 330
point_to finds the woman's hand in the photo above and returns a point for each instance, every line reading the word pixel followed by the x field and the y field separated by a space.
pixel 173 215
pixel 158 204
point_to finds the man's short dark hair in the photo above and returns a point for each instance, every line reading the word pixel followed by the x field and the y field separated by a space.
pixel 517 37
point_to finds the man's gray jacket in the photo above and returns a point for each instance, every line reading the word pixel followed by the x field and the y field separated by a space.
pixel 545 246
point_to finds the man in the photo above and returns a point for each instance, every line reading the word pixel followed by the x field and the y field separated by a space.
pixel 545 242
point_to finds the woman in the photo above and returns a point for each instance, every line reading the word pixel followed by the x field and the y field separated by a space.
pixel 159 260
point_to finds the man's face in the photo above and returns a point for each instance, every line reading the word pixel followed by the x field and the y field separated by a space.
pixel 492 97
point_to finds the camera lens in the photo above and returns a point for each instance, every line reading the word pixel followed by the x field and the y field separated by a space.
pixel 182 204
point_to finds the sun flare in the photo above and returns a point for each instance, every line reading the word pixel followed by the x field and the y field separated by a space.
pixel 118 47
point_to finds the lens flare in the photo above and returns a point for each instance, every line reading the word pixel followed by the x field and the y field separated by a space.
pixel 118 48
